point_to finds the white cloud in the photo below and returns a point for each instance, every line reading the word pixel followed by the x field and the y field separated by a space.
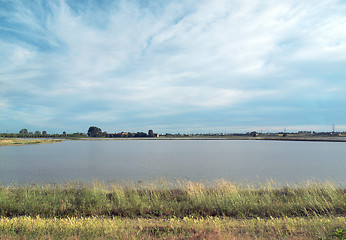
pixel 4 104
pixel 35 115
pixel 177 57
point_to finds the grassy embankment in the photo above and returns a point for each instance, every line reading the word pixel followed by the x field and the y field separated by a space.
pixel 18 141
pixel 183 210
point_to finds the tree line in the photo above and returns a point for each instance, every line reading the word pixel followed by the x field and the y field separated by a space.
pixel 92 132
pixel 97 132
pixel 24 133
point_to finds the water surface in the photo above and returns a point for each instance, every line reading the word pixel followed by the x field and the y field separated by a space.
pixel 146 160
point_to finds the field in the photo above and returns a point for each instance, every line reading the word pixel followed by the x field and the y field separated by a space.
pixel 18 141
pixel 162 210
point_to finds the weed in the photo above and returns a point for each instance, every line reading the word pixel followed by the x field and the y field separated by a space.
pixel 340 233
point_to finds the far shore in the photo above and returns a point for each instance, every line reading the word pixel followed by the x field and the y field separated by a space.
pixel 24 141
pixel 274 138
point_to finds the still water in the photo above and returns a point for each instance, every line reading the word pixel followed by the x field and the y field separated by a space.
pixel 196 160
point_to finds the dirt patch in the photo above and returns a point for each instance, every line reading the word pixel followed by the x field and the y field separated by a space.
pixel 6 141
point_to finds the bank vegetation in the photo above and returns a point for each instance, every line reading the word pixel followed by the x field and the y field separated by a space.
pixel 181 210
pixel 18 141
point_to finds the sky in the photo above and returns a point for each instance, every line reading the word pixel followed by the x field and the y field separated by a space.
pixel 188 66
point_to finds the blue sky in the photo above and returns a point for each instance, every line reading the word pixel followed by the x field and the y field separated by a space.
pixel 172 66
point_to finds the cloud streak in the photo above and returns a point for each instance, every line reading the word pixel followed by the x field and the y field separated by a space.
pixel 66 65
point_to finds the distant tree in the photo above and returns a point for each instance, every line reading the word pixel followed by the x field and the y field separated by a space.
pixel 140 134
pixel 24 131
pixel 151 133
pixel 77 135
pixel 44 133
pixel 37 133
pixel 253 134
pixel 95 132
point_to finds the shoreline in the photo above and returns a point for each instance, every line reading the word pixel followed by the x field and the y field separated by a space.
pixel 21 141
pixel 303 139
pixel 29 141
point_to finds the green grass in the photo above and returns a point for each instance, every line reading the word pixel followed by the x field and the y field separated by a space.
pixel 181 199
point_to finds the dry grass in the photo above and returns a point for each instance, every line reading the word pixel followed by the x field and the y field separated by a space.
pixel 161 210
pixel 17 141
pixel 172 228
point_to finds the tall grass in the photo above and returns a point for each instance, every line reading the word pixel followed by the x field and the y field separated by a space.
pixel 180 199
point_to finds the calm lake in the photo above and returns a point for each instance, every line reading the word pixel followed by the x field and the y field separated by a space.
pixel 147 160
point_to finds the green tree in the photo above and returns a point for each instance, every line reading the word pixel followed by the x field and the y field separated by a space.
pixel 95 132
pixel 24 131
pixel 140 134
pixel 151 133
